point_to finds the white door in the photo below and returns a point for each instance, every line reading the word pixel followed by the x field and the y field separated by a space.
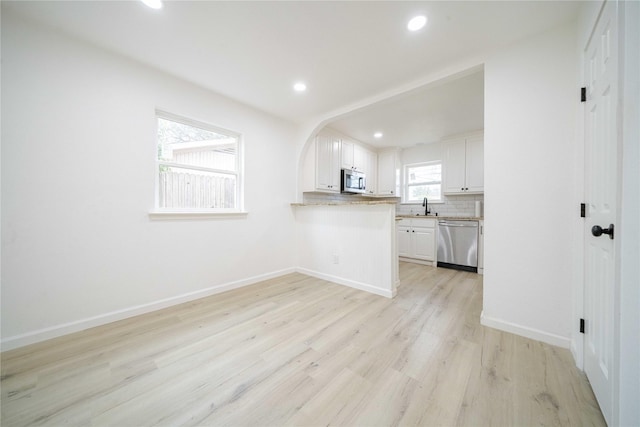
pixel 601 177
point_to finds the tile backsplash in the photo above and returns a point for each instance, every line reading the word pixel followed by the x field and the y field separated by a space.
pixel 463 205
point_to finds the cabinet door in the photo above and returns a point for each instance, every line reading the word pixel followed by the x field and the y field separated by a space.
pixel 327 164
pixel 359 158
pixel 475 165
pixel 347 154
pixel 336 149
pixel 423 243
pixel 454 167
pixel 387 171
pixel 404 241
pixel 371 172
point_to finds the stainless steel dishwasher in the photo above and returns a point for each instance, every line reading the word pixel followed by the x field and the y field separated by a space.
pixel 458 244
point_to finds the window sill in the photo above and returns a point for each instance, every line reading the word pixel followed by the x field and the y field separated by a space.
pixel 161 215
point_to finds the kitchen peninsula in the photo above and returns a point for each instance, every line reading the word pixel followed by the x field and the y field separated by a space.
pixel 350 243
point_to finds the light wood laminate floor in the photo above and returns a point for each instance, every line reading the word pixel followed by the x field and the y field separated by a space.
pixel 301 351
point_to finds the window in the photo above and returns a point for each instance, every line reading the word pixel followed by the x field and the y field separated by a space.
pixel 198 167
pixel 423 180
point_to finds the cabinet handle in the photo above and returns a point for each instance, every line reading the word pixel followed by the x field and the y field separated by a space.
pixel 462 189
pixel 391 191
pixel 413 231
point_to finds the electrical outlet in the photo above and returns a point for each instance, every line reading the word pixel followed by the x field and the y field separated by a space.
pixel 336 259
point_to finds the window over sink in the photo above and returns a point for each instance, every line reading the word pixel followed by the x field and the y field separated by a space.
pixel 422 180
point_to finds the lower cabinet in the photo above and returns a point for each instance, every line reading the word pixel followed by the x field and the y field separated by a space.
pixel 417 239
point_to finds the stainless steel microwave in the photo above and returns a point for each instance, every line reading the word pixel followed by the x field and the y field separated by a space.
pixel 352 181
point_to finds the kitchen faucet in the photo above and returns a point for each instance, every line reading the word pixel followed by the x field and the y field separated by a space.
pixel 425 203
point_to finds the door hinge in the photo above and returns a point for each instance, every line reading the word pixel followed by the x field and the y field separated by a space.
pixel 582 326
pixel 583 94
pixel 583 210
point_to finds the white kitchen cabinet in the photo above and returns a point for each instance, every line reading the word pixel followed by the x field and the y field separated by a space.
pixel 417 240
pixel 464 165
pixel 371 172
pixel 354 156
pixel 388 169
pixel 423 243
pixel 327 163
pixel 404 240
pixel 481 247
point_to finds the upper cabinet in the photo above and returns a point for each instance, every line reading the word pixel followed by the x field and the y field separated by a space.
pixel 388 166
pixel 331 152
pixel 371 172
pixel 358 158
pixel 354 156
pixel 464 165
pixel 327 164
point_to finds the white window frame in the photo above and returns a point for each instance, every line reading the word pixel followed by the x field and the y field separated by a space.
pixel 406 185
pixel 194 213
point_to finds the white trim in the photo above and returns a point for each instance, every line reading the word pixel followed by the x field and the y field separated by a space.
pixel 43 334
pixel 197 168
pixel 406 185
pixel 534 334
pixel 350 283
pixel 171 215
pixel 163 114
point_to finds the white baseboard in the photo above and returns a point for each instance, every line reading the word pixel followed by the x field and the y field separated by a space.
pixel 346 282
pixel 22 340
pixel 524 331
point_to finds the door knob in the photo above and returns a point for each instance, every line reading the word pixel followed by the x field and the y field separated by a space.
pixel 597 231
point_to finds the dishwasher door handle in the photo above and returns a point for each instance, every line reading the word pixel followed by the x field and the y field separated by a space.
pixel 444 224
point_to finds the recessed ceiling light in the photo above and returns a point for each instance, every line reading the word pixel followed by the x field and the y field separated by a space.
pixel 153 4
pixel 299 87
pixel 417 22
pixel 377 135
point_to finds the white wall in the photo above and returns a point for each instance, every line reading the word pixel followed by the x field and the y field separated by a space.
pixel 530 101
pixel 422 153
pixel 354 245
pixel 78 247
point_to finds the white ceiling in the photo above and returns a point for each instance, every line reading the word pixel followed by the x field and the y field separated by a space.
pixel 345 51
pixel 422 116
